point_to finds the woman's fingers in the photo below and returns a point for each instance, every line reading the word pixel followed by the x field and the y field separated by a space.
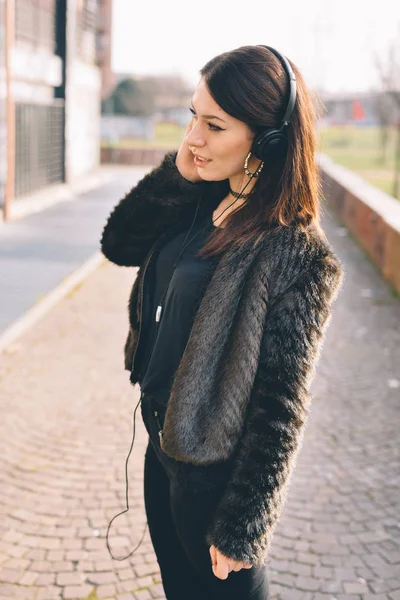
pixel 221 569
pixel 184 159
pixel 189 127
pixel 213 554
pixel 222 565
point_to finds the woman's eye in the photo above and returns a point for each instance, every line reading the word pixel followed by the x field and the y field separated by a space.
pixel 211 125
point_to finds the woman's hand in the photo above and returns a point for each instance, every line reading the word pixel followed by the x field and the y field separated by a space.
pixel 222 565
pixel 184 159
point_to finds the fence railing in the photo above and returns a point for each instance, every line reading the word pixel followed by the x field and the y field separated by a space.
pixel 39 146
pixel 133 156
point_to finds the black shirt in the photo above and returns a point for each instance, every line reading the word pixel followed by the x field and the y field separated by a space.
pixel 165 341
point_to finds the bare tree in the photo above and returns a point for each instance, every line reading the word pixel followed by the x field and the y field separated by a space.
pixel 389 73
pixel 145 94
pixel 383 107
pixel 168 90
pixel 130 99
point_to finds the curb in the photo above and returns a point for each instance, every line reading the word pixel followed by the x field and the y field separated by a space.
pixel 55 194
pixel 24 323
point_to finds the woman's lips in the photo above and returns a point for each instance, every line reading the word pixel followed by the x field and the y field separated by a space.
pixel 200 163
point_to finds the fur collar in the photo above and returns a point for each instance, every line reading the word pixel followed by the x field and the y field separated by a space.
pixel 212 387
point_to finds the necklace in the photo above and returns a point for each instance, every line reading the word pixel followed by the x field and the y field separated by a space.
pixel 239 195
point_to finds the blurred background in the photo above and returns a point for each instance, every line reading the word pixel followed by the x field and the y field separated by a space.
pixel 90 81
pixel 93 93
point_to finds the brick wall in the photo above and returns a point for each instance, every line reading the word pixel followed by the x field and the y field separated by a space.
pixel 372 216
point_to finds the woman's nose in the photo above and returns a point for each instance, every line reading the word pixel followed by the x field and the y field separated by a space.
pixel 194 137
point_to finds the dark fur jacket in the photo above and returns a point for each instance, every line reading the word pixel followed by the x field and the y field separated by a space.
pixel 242 387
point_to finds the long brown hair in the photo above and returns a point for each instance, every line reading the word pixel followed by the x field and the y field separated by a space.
pixel 250 84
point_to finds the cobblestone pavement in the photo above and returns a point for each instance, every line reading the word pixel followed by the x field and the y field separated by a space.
pixel 66 428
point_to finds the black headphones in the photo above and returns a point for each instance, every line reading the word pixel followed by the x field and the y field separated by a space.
pixel 272 142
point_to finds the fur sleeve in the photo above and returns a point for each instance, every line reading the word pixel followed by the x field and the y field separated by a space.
pixel 247 514
pixel 158 200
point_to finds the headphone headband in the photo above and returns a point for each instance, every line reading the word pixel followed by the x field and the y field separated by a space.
pixel 292 82
pixel 272 142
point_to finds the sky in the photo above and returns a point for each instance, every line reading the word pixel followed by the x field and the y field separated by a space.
pixel 333 43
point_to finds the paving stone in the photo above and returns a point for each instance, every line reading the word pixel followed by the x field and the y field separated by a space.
pixel 337 535
pixel 144 581
pixel 125 574
pixel 305 557
pixel 24 593
pixel 69 579
pixel 55 555
pixel 12 536
pixel 146 569
pixel 46 579
pixel 29 578
pixel 300 569
pixel 73 555
pixel 351 587
pixel 102 578
pixel 379 586
pixel 76 592
pixel 285 579
pixel 106 591
pixel 287 594
pixel 10 575
pixel 143 595
pixel 329 586
pixel 157 591
pixel 307 583
pixel 50 593
pixel 322 572
pixel 127 586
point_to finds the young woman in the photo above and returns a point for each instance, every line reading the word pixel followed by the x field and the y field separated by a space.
pixel 227 316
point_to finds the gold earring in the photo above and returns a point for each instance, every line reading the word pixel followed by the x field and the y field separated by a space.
pixel 256 172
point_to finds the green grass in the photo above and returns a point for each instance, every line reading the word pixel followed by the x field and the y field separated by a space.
pixel 359 149
pixel 167 135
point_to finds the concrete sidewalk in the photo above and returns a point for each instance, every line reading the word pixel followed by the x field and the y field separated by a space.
pixel 41 250
pixel 67 408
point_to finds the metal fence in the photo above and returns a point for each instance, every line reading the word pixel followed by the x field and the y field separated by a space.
pixel 39 146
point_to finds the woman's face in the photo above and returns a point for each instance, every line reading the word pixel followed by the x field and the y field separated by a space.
pixel 224 140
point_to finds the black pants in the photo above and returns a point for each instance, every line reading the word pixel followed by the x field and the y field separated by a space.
pixel 180 500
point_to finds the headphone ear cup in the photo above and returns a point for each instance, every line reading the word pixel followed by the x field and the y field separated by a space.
pixel 270 145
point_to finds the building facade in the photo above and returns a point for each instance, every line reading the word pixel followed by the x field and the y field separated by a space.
pixel 103 47
pixel 53 95
pixel 3 102
pixel 363 109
